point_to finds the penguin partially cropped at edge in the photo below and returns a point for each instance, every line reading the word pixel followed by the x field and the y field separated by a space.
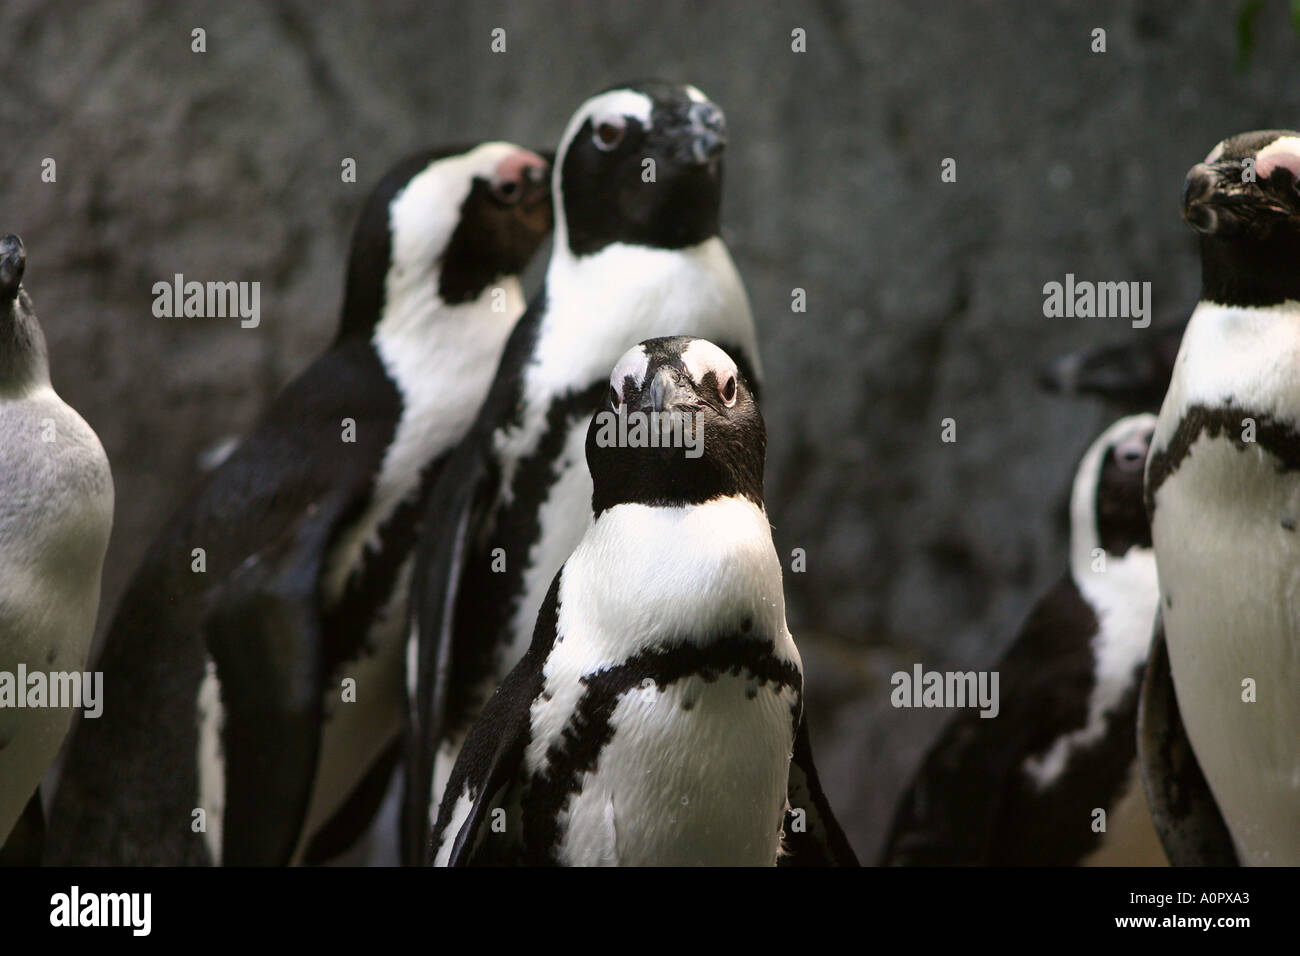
pixel 56 512
pixel 1220 719
pixel 637 254
pixel 1023 788
pixel 232 735
pixel 653 718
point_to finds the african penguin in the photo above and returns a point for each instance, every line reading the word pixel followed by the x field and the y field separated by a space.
pixel 637 188
pixel 1221 731
pixel 653 718
pixel 265 687
pixel 56 511
pixel 1023 788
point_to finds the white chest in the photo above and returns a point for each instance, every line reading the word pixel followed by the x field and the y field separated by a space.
pixel 694 775
pixel 1229 569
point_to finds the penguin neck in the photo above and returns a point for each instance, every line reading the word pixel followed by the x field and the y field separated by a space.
pixel 1247 272
pixel 24 362
pixel 597 304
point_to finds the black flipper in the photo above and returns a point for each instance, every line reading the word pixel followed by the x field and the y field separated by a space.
pixel 971 802
pixel 459 505
pixel 1182 806
pixel 26 840
pixel 263 630
pixel 341 832
pixel 813 838
pixel 491 760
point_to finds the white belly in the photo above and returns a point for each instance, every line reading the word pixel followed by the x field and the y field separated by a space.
pixel 1232 573
pixel 56 511
pixel 676 787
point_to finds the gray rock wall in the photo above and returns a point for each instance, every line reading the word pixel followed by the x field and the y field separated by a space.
pixel 924 298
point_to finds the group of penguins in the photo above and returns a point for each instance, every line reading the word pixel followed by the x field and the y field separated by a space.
pixel 421 577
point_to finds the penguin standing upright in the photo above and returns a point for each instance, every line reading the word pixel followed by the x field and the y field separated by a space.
pixel 1220 729
pixel 653 719
pixel 255 662
pixel 1024 787
pixel 56 512
pixel 637 254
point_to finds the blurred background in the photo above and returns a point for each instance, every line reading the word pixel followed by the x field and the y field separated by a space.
pixel 924 298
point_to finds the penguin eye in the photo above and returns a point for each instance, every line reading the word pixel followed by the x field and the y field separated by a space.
pixel 728 391
pixel 614 398
pixel 609 134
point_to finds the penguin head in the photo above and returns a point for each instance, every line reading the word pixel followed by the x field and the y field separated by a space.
pixel 1246 186
pixel 461 218
pixel 1133 373
pixel 641 164
pixel 678 425
pixel 23 355
pixel 13 260
pixel 1108 509
pixel 1244 203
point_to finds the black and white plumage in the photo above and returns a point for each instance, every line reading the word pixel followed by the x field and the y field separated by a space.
pixel 1022 788
pixel 1223 491
pixel 653 718
pixel 56 512
pixel 226 685
pixel 632 259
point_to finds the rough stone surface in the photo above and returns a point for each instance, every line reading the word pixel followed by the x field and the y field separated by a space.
pixel 924 298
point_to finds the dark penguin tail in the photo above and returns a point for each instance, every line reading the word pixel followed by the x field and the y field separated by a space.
pixel 13 260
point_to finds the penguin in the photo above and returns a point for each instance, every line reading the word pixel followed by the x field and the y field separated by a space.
pixel 1221 700
pixel 1025 788
pixel 56 513
pixel 1133 374
pixel 653 718
pixel 637 186
pixel 256 661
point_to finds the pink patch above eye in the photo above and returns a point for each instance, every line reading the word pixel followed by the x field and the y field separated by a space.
pixel 1283 154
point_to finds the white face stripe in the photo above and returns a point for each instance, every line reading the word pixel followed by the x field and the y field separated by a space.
pixel 423 216
pixel 1283 152
pixel 1084 534
pixel 615 103
pixel 701 357
pixel 634 363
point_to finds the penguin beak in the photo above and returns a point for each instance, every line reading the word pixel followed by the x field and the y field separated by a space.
pixel 666 392
pixel 522 178
pixel 702 138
